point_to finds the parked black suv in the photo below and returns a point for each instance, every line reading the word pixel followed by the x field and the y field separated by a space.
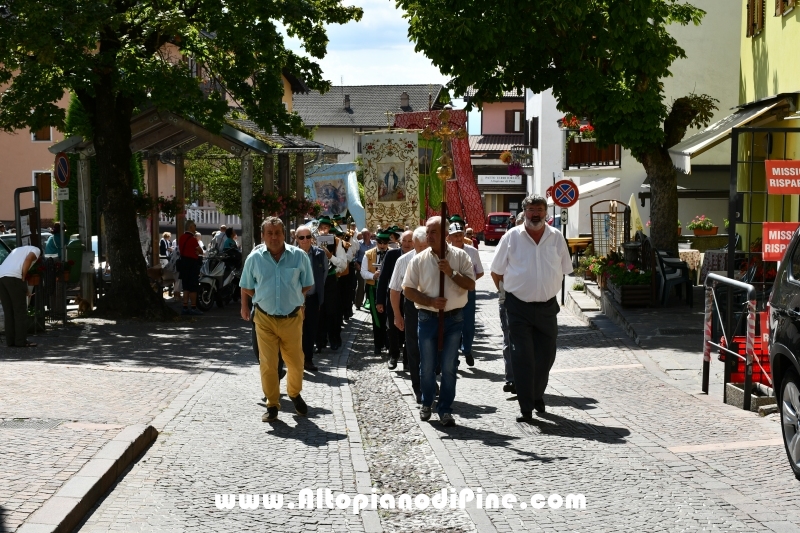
pixel 784 348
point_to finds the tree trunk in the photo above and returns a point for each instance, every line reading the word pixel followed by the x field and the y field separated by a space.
pixel 130 294
pixel 664 199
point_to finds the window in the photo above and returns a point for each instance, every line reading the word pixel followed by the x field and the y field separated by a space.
pixel 783 7
pixel 44 182
pixel 42 134
pixel 756 9
pixel 534 133
pixel 515 120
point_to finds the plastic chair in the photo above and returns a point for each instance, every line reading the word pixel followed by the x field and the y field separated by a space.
pixel 673 275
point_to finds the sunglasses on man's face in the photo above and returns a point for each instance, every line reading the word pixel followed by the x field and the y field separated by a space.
pixel 383 241
pixel 302 237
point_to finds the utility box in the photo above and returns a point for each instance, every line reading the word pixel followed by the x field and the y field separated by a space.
pixel 75 253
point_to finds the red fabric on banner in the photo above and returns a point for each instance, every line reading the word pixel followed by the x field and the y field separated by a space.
pixel 463 197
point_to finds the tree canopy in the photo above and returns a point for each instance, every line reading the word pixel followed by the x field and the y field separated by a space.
pixel 603 59
pixel 196 58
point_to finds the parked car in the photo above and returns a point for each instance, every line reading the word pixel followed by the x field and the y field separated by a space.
pixel 496 226
pixel 784 348
pixel 10 239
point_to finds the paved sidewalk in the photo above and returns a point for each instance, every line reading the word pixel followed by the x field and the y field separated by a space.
pixel 218 445
pixel 64 402
pixel 646 455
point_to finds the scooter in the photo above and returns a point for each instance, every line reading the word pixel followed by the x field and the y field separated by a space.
pixel 219 279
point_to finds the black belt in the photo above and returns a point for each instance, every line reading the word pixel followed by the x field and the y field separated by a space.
pixel 446 313
pixel 290 315
pixel 548 302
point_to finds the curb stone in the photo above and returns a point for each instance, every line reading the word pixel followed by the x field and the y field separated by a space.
pixel 70 505
pixel 76 497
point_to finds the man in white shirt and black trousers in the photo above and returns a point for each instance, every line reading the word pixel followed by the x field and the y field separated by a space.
pixel 531 260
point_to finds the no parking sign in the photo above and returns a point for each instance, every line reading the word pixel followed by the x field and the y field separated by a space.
pixel 62 169
pixel 565 193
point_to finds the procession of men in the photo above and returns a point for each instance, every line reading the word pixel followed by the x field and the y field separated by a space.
pixel 303 295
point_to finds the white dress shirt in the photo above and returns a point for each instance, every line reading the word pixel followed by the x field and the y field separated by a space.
pixel 532 272
pixel 475 255
pixel 352 252
pixel 339 259
pixel 422 274
pixel 396 283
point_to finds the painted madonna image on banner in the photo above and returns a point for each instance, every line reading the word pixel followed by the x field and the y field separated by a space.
pixel 391 182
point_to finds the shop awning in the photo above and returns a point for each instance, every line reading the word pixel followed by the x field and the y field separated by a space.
pixel 593 188
pixel 683 152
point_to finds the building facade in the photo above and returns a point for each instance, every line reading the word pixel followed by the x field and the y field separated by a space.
pixel 503 129
pixel 711 67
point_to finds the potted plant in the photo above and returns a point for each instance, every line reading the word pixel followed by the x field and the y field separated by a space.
pixel 630 286
pixel 587 133
pixel 63 270
pixel 35 273
pixel 702 225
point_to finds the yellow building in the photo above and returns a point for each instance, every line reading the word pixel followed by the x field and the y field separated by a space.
pixel 769 86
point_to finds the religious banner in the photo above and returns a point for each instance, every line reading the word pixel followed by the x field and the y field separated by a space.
pixel 463 197
pixel 391 178
pixel 335 186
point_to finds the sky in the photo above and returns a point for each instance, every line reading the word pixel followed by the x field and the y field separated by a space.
pixel 377 51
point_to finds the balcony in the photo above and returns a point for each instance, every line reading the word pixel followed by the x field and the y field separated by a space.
pixel 584 153
pixel 206 218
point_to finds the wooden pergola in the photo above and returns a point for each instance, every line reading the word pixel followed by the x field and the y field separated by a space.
pixel 165 136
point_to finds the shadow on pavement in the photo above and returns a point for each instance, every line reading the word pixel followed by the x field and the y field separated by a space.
pixel 306 431
pixel 489 438
pixel 468 410
pixel 476 373
pixel 182 345
pixel 532 456
pixel 2 520
pixel 559 426
pixel 580 402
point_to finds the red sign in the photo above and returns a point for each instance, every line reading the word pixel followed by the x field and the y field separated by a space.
pixel 776 236
pixel 565 193
pixel 783 177
pixel 549 192
pixel 62 169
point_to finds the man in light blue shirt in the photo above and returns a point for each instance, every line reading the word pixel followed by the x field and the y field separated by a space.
pixel 276 277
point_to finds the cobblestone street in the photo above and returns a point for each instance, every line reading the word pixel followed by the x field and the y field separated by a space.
pixel 646 455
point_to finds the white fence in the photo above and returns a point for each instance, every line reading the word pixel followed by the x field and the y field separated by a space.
pixel 206 218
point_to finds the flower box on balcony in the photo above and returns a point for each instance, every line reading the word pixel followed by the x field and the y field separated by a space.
pixel 700 232
pixel 630 295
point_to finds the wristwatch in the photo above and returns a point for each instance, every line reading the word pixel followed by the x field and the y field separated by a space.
pixel 453 275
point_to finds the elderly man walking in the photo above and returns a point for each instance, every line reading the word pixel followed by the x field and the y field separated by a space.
pixel 189 271
pixel 406 318
pixel 315 297
pixel 531 260
pixel 421 286
pixel 277 277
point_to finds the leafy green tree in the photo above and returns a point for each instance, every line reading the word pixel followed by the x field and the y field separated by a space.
pixel 119 56
pixel 604 60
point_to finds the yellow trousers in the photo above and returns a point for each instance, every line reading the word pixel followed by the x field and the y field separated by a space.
pixel 286 335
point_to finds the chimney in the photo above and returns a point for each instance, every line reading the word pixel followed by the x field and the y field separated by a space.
pixel 404 100
pixel 347 102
